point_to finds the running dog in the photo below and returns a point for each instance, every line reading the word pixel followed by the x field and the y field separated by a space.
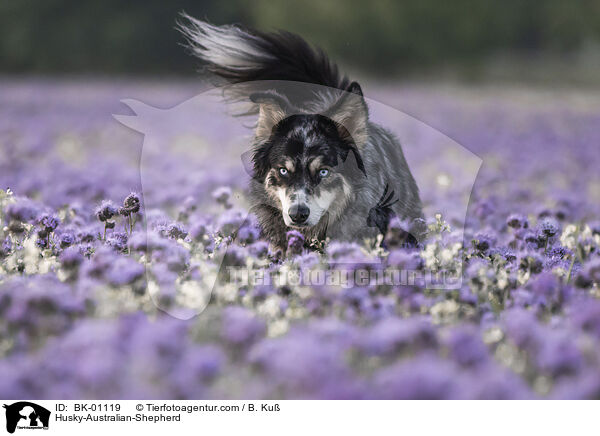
pixel 319 165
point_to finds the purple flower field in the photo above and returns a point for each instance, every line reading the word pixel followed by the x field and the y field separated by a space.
pixel 96 256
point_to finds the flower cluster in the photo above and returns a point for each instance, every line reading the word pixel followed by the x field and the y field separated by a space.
pixel 86 286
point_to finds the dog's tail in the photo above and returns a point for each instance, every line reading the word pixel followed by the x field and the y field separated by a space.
pixel 240 55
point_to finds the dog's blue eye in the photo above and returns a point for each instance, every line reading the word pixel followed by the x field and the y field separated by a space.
pixel 324 172
pixel 283 171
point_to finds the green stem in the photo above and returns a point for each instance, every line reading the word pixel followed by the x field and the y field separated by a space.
pixel 570 268
pixel 104 232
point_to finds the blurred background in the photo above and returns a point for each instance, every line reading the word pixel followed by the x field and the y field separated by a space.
pixel 514 39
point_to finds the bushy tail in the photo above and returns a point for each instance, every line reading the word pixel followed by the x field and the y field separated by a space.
pixel 240 55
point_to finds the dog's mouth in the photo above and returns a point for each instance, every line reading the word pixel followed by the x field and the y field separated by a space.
pixel 301 210
pixel 300 217
pixel 313 219
pixel 299 226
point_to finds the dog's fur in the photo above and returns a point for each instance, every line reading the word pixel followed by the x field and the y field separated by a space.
pixel 314 149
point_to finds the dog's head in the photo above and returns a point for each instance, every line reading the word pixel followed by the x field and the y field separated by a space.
pixel 306 162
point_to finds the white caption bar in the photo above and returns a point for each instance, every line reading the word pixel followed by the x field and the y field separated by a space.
pixel 300 417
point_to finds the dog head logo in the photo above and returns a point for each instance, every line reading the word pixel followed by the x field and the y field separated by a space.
pixel 26 415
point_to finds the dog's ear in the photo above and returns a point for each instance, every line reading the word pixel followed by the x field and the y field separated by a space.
pixel 351 115
pixel 273 108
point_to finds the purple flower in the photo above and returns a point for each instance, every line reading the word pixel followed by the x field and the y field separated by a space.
pixel 583 386
pixel 558 354
pixel 521 298
pixel 40 305
pixel 204 363
pixel 549 227
pixel 303 364
pixel 517 221
pixel 259 249
pixel 235 256
pixel 106 211
pixel 150 241
pixel 547 290
pixel 230 221
pixel 533 262
pixel 475 266
pixel 132 203
pixel 585 315
pixel 340 250
pixel 100 262
pixel 41 243
pixel 199 228
pixel 467 296
pixel 48 222
pixel 71 258
pixel 522 328
pixel 394 335
pixel 504 252
pixel 5 247
pixel 158 346
pixel 190 204
pixel 260 292
pixel 492 382
pixel 222 195
pixel 405 260
pixel 485 208
pixel 466 346
pixel 307 260
pixel 240 327
pixel 176 231
pixel 589 274
pixel 355 296
pixel 425 377
pixel 88 234
pixel 248 234
pixel 174 256
pixel 118 241
pixel 535 239
pixel 295 242
pixel 483 241
pixel 124 272
pixel 66 240
pixel 559 252
pixel 23 210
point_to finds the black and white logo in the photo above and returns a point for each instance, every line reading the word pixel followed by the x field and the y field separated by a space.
pixel 26 415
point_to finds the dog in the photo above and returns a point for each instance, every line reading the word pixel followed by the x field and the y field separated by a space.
pixel 320 167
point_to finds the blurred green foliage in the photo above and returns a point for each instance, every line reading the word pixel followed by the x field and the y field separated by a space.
pixel 378 36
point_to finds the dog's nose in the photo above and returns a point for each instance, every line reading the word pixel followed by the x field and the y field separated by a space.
pixel 299 213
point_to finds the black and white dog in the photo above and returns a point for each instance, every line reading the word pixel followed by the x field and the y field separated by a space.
pixel 320 166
